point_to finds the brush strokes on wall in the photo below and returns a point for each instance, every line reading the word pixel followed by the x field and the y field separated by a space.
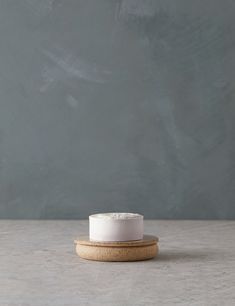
pixel 117 106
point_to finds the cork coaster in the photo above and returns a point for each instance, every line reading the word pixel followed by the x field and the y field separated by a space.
pixel 134 250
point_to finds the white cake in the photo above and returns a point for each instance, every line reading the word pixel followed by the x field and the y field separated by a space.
pixel 115 227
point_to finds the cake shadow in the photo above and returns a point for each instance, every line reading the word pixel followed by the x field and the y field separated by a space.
pixel 184 256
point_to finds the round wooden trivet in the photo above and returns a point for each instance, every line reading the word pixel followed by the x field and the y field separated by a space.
pixel 134 250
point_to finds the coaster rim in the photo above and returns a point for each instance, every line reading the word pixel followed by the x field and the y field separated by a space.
pixel 147 240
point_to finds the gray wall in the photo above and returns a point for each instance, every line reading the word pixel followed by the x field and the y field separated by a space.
pixel 117 106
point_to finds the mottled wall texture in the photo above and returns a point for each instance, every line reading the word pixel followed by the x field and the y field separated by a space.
pixel 114 105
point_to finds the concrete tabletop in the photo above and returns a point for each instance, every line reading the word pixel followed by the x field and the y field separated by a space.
pixel 196 266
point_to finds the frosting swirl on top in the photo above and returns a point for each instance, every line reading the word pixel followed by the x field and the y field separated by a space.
pixel 117 215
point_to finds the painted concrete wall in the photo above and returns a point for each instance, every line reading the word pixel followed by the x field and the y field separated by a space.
pixel 117 106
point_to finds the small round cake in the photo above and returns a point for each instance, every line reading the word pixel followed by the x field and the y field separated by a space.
pixel 116 227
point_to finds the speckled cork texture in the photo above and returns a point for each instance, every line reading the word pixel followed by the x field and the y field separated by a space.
pixel 144 249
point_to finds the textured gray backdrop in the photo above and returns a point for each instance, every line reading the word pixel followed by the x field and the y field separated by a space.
pixel 117 106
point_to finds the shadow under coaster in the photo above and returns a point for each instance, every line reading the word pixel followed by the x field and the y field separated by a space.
pixel 134 250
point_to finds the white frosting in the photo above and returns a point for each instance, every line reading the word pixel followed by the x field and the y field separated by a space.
pixel 115 227
pixel 117 216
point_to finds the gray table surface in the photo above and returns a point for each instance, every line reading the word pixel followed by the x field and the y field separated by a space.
pixel 195 266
